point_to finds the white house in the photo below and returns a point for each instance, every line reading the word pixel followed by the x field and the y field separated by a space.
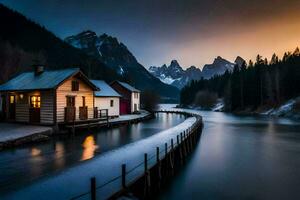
pixel 107 98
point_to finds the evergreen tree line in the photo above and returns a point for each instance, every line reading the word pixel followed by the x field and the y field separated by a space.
pixel 263 83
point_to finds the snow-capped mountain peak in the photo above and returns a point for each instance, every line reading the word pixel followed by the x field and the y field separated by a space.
pixel 176 76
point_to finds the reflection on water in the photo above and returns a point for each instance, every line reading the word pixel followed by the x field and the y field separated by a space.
pixel 35 151
pixel 89 148
pixel 21 165
pixel 241 157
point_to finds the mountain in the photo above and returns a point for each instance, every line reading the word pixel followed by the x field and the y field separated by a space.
pixel 24 43
pixel 176 76
pixel 239 61
pixel 116 55
pixel 218 67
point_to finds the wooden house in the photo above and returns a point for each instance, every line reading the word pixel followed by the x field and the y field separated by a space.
pixel 48 97
pixel 130 97
pixel 106 99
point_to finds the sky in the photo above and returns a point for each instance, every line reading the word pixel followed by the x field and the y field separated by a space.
pixel 193 32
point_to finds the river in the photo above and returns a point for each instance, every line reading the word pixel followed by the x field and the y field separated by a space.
pixel 241 157
pixel 23 166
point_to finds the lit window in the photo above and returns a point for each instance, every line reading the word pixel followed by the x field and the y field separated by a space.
pixel 35 101
pixel 12 99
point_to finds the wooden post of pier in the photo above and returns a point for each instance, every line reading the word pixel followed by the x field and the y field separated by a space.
pixel 93 188
pixel 172 156
pixel 124 176
pixel 145 162
pixel 181 138
pixel 157 154
pixel 166 150
pixel 184 145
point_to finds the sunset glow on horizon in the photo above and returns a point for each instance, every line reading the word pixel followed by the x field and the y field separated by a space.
pixel 192 32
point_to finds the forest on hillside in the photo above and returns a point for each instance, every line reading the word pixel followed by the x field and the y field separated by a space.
pixel 24 43
pixel 250 86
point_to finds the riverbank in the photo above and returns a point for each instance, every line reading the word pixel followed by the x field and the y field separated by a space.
pixel 289 109
pixel 12 134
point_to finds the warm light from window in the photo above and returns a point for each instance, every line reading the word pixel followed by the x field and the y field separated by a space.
pixel 35 101
pixel 12 99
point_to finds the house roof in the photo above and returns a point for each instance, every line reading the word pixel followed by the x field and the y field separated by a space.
pixel 128 87
pixel 46 80
pixel 105 89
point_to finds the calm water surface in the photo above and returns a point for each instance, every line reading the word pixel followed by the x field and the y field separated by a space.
pixel 241 158
pixel 20 166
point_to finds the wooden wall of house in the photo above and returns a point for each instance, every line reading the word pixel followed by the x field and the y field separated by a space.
pixel 47 107
pixel 65 90
pixel 22 109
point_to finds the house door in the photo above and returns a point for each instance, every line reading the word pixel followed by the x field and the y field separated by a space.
pixel 3 107
pixel 35 109
pixel 12 107
pixel 124 107
pixel 83 111
pixel 70 110
pixel 135 107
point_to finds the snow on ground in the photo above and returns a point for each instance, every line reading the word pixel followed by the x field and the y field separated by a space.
pixel 75 181
pixel 12 131
pixel 282 110
pixel 219 106
pixel 129 117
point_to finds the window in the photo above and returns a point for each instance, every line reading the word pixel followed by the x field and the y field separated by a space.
pixel 83 101
pixel 75 86
pixel 70 101
pixel 11 99
pixel 35 101
pixel 136 95
pixel 111 103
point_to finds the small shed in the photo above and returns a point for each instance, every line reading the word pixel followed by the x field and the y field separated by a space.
pixel 107 98
pixel 130 100
pixel 48 97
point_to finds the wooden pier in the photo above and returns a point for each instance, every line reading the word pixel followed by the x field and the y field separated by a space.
pixel 103 120
pixel 158 169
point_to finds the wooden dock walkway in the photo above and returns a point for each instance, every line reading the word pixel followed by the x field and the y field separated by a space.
pixel 122 119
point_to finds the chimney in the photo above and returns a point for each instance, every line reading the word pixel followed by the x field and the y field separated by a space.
pixel 38 69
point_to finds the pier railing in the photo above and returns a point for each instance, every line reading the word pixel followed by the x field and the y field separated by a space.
pixel 146 177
